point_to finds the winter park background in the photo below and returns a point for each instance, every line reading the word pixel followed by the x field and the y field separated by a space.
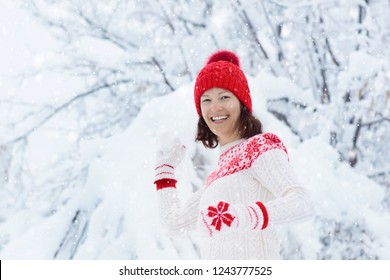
pixel 86 87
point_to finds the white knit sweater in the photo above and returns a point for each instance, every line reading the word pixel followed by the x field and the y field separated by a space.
pixel 253 190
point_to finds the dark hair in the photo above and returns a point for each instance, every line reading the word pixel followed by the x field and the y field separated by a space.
pixel 249 126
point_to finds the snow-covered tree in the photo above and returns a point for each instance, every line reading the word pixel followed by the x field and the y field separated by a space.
pixel 70 159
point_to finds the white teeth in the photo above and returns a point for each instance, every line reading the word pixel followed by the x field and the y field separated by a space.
pixel 219 118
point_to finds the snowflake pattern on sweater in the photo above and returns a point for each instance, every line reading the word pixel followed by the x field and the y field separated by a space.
pixel 251 192
pixel 242 156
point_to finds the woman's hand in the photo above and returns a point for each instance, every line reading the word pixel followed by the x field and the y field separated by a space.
pixel 169 154
pixel 224 217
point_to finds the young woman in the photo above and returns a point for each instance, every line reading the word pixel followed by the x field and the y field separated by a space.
pixel 253 189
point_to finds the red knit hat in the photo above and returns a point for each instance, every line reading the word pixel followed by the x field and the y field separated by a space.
pixel 222 70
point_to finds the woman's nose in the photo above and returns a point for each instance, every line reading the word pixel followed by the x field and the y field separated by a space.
pixel 215 106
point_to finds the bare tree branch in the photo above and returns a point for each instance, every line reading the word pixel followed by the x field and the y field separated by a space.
pixel 64 106
pixel 246 20
pixel 163 73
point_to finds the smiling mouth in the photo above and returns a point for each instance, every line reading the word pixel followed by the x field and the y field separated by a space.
pixel 219 118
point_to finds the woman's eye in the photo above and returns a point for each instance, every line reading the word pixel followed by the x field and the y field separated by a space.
pixel 225 97
pixel 205 100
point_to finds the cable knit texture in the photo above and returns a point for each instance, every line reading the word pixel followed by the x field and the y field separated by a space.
pixel 252 190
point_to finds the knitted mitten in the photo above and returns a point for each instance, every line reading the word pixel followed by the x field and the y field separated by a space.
pixel 170 153
pixel 224 217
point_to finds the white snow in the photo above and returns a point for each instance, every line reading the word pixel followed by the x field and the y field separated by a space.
pixel 109 211
pixel 120 197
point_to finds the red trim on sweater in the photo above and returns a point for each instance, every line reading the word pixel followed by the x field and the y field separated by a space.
pixel 165 183
pixel 243 155
pixel 265 214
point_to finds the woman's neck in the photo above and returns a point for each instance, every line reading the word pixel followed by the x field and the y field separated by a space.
pixel 226 140
pixel 227 146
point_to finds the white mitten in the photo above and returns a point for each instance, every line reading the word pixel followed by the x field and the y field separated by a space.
pixel 224 217
pixel 170 152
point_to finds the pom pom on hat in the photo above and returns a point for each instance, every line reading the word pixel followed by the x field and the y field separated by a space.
pixel 226 56
pixel 222 70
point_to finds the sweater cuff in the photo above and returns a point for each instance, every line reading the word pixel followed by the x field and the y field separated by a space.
pixel 265 214
pixel 165 183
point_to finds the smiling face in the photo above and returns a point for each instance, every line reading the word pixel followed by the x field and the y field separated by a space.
pixel 221 111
